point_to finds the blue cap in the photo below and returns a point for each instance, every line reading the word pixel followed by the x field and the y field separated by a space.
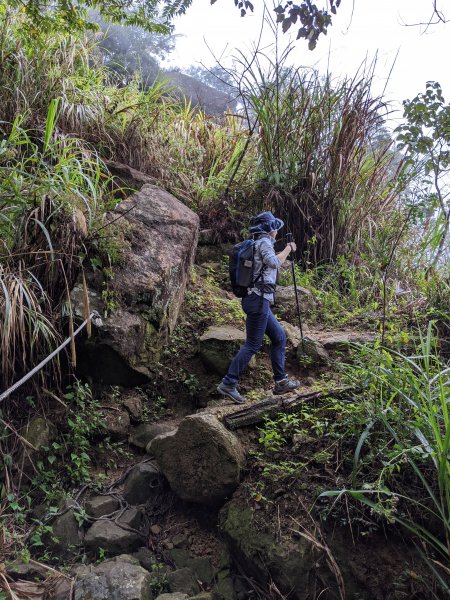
pixel 265 222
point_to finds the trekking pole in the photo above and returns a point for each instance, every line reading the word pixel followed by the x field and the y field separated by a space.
pixel 289 239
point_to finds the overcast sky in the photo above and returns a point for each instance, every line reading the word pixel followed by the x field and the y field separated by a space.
pixel 363 28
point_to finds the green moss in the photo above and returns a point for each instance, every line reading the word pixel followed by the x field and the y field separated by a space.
pixel 252 543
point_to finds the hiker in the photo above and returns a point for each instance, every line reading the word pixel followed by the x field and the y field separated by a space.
pixel 256 305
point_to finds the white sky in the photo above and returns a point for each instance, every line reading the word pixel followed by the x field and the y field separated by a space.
pixel 376 26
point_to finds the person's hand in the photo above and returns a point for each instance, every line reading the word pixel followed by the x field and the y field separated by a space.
pixel 292 246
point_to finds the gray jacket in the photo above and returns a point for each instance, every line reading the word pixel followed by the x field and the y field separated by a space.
pixel 265 258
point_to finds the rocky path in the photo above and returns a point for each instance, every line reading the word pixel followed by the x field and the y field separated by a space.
pixel 157 523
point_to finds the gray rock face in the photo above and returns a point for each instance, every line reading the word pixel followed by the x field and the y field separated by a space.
pixel 66 534
pixel 313 350
pixel 218 345
pixel 286 302
pixel 175 596
pixel 150 283
pixel 182 580
pixel 121 578
pixel 343 340
pixel 163 243
pixel 120 537
pixel 99 506
pixel 116 423
pixel 142 435
pixel 201 460
pixel 142 483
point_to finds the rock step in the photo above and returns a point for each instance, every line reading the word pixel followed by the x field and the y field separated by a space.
pixel 202 460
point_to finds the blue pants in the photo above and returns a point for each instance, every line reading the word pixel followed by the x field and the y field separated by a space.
pixel 260 320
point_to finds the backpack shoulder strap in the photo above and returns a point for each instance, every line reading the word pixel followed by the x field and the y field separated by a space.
pixel 257 249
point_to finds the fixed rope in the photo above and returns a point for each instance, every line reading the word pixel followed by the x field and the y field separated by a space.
pixel 94 317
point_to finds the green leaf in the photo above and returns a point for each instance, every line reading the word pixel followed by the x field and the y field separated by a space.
pixel 286 24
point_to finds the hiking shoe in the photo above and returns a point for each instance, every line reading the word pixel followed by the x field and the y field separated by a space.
pixel 285 385
pixel 231 392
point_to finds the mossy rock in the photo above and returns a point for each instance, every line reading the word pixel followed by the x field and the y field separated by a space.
pixel 218 345
pixel 224 590
pixel 263 557
pixel 312 352
pixel 39 432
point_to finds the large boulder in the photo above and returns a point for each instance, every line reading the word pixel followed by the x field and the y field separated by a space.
pixel 148 286
pixel 218 345
pixel 286 302
pixel 201 460
pixel 121 578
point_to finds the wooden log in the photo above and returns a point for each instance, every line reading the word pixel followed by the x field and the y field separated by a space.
pixel 256 413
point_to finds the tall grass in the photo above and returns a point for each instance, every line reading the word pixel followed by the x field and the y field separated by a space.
pixel 27 331
pixel 186 151
pixel 183 149
pixel 34 70
pixel 52 190
pixel 328 167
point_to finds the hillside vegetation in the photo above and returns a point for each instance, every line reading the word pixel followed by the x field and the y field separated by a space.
pixel 369 210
